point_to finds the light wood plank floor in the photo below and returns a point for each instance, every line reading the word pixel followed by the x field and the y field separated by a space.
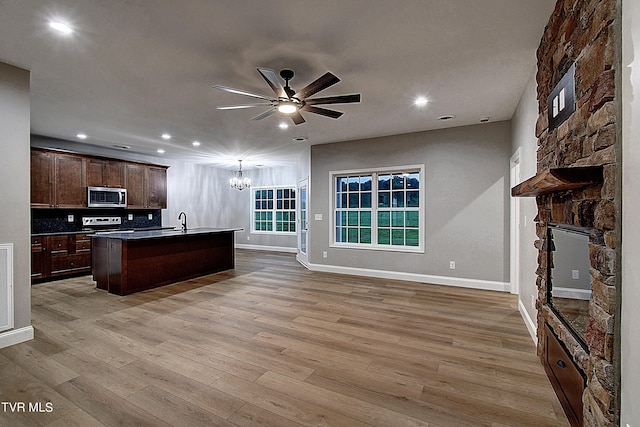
pixel 271 343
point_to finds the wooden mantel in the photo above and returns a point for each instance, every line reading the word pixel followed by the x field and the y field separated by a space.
pixel 558 179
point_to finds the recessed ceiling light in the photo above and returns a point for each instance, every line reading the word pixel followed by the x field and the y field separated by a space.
pixel 61 27
pixel 166 136
pixel 283 125
pixel 160 150
pixel 420 101
pixel 300 138
pixel 81 136
pixel 446 117
pixel 195 143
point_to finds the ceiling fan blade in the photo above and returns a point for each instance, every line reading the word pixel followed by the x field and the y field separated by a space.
pixel 316 86
pixel 340 99
pixel 265 114
pixel 237 107
pixel 297 118
pixel 241 92
pixel 272 80
pixel 322 111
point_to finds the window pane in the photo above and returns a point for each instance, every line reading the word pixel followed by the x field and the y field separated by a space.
pixel 412 237
pixel 269 216
pixel 292 216
pixel 278 226
pixel 257 194
pixel 264 194
pixel 353 235
pixel 398 182
pixel 365 200
pixel 270 194
pixel 413 181
pixel 384 182
pixel 292 227
pixel 397 237
pixel 278 216
pixel 293 193
pixel 257 204
pixel 384 199
pixel 365 235
pixel 412 219
pixel 354 183
pixel 384 236
pixel 397 219
pixel 269 226
pixel 365 219
pixel 365 183
pixel 353 218
pixel 384 219
pixel 293 204
pixel 279 204
pixel 270 204
pixel 341 234
pixel 285 226
pixel 354 200
pixel 279 193
pixel 398 199
pixel 413 199
pixel 341 184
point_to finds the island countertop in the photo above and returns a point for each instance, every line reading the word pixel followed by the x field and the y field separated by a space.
pixel 161 234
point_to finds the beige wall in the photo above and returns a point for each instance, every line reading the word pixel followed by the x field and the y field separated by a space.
pixel 630 337
pixel 14 193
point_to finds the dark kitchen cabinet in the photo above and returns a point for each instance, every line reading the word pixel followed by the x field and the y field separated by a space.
pixel 58 180
pixel 38 258
pixel 105 173
pixel 42 179
pixel 146 186
pixel 157 187
pixel 135 183
pixel 59 256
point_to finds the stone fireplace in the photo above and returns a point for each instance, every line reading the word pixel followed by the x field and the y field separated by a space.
pixel 577 183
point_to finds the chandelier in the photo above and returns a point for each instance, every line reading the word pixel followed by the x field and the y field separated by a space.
pixel 239 182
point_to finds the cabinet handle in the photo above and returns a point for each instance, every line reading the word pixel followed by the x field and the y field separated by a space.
pixel 561 363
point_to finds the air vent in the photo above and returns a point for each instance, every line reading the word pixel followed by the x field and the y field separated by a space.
pixel 122 147
pixel 300 138
pixel 446 117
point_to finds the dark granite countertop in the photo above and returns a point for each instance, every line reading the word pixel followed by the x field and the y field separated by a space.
pixel 159 234
pixel 87 231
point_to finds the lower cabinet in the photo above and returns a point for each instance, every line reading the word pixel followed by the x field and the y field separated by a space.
pixel 567 379
pixel 59 256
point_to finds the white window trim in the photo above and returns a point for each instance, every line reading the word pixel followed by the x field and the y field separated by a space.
pixel 374 217
pixel 253 210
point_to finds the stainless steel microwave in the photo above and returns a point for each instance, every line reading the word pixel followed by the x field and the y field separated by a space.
pixel 106 197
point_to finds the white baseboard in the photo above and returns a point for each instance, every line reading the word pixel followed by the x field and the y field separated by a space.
pixel 267 248
pixel 16 336
pixel 532 326
pixel 581 294
pixel 414 277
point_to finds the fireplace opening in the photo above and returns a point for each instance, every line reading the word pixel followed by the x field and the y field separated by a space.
pixel 568 278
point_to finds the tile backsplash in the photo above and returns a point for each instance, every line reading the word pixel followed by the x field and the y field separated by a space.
pixel 70 220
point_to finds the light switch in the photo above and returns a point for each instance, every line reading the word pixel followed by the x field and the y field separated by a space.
pixel 150 217
pixel 70 218
pixel 318 217
pixel 575 274
pixel 130 217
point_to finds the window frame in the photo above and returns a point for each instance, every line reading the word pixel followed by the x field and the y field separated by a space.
pixel 375 172
pixel 274 210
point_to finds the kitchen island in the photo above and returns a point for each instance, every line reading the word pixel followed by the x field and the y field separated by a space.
pixel 128 262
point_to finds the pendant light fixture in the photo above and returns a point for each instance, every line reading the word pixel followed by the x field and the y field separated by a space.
pixel 240 182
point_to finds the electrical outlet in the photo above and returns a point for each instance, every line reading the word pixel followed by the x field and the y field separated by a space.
pixel 70 218
pixel 150 217
pixel 248 237
pixel 130 217
pixel 575 274
pixel 324 254
pixel 452 265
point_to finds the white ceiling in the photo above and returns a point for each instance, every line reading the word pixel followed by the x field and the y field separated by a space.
pixel 135 69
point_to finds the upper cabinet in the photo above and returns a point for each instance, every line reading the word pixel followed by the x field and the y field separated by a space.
pixel 60 180
pixel 105 173
pixel 146 186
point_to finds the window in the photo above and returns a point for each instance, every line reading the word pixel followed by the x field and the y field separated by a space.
pixel 274 210
pixel 378 209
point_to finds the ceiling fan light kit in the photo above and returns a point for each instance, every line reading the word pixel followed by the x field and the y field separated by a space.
pixel 290 102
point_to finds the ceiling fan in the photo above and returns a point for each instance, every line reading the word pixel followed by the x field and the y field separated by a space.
pixel 290 102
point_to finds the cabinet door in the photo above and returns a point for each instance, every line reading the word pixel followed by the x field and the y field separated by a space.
pixel 96 172
pixel 70 182
pixel 114 171
pixel 157 187
pixel 135 185
pixel 41 179
pixel 39 258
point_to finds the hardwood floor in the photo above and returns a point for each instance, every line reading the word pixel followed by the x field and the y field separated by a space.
pixel 271 343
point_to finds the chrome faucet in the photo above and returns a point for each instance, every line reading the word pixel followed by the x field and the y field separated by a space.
pixel 184 220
